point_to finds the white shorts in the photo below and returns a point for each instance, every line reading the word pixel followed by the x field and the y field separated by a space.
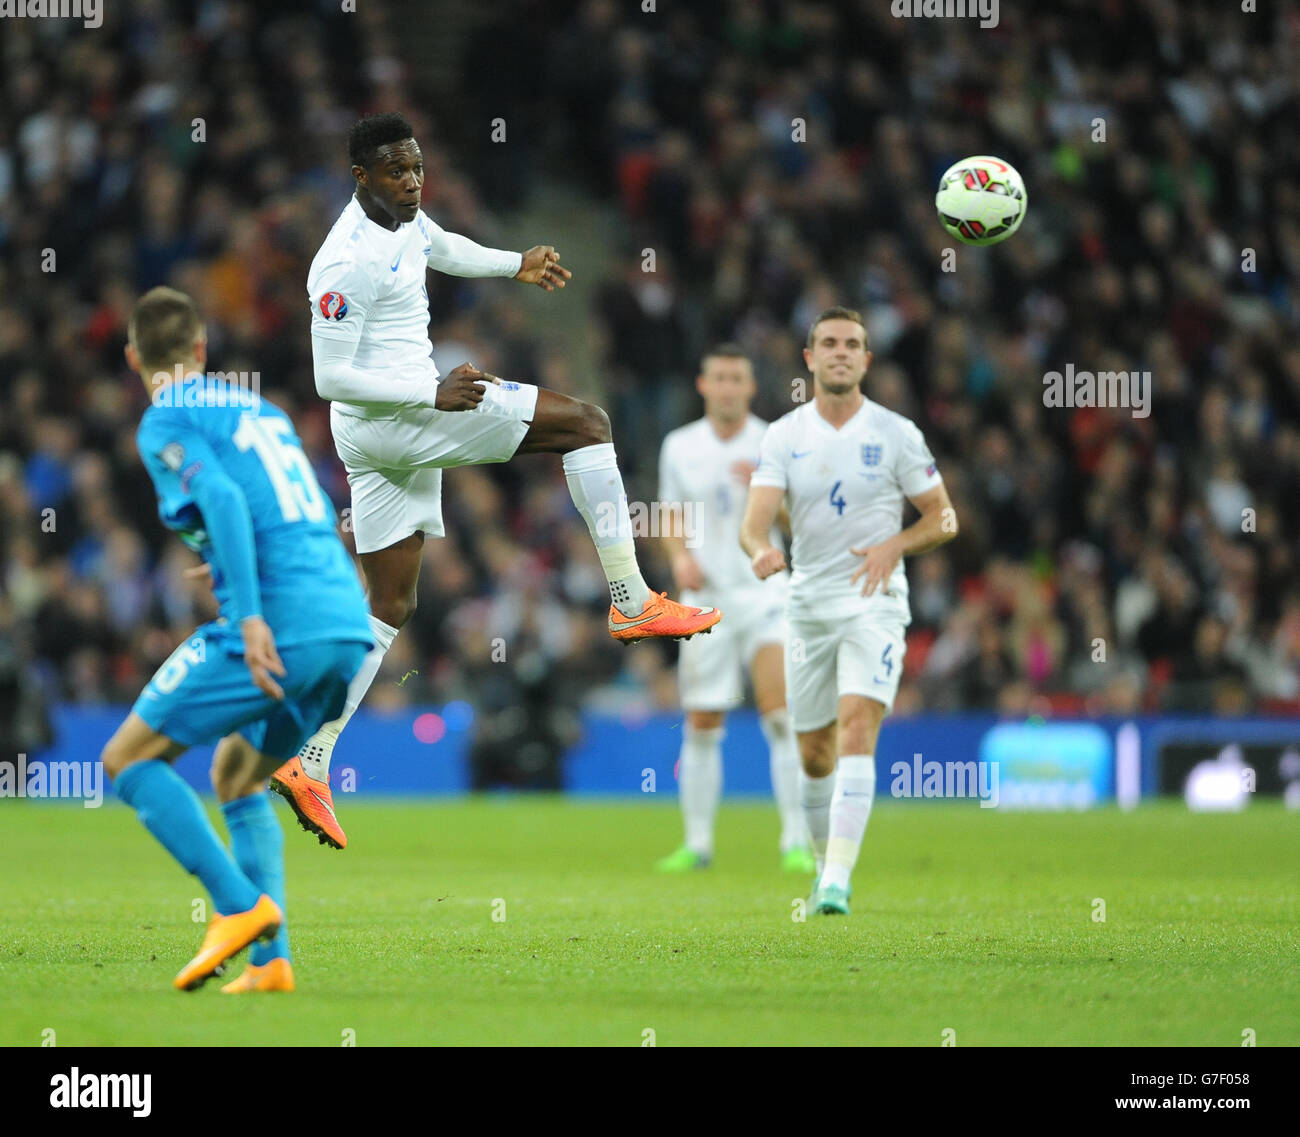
pixel 395 464
pixel 711 668
pixel 825 659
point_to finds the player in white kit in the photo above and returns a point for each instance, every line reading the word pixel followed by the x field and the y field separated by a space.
pixel 704 471
pixel 844 465
pixel 396 424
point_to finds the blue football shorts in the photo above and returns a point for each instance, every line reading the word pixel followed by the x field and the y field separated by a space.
pixel 204 692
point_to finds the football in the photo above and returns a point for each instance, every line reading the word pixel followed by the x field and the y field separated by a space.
pixel 981 200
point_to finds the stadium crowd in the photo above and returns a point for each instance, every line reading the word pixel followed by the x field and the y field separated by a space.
pixel 779 157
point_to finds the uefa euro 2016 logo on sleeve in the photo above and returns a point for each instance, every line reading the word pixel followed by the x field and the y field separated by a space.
pixel 333 306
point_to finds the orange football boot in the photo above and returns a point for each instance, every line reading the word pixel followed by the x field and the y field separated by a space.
pixel 227 936
pixel 661 617
pixel 311 801
pixel 274 976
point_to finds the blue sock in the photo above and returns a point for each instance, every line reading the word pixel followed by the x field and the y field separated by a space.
pixel 171 811
pixel 257 841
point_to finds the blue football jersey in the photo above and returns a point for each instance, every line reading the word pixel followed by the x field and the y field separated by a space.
pixel 234 483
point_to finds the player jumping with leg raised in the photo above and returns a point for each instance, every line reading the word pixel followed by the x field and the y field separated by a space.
pixel 845 464
pixel 704 470
pixel 397 426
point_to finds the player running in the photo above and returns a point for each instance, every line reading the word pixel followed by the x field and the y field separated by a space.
pixel 704 468
pixel 396 425
pixel 845 464
pixel 233 481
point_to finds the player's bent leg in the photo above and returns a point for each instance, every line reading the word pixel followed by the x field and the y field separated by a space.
pixel 137 758
pixel 392 575
pixel 699 780
pixel 580 431
pixel 562 423
pixel 239 776
pixel 768 674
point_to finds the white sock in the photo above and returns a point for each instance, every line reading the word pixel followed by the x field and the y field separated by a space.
pixel 699 777
pixel 815 797
pixel 316 754
pixel 784 762
pixel 855 788
pixel 596 487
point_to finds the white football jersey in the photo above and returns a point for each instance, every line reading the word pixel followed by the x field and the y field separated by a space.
pixel 696 472
pixel 845 490
pixel 366 286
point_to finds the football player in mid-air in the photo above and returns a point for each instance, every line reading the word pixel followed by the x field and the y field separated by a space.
pixel 704 471
pixel 233 481
pixel 397 425
pixel 844 464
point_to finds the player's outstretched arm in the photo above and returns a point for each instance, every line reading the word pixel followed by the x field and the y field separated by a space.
pixel 755 531
pixel 936 526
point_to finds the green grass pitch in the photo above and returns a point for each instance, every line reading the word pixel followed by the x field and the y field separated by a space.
pixel 975 921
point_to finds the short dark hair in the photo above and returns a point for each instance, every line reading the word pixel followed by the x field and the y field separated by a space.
pixel 838 313
pixel 163 327
pixel 725 351
pixel 368 134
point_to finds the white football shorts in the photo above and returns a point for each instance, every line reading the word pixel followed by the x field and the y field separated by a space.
pixel 824 659
pixel 711 668
pixel 395 464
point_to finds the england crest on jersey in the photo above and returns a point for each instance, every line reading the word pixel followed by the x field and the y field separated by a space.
pixel 871 453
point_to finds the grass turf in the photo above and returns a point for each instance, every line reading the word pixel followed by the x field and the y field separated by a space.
pixel 978 921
